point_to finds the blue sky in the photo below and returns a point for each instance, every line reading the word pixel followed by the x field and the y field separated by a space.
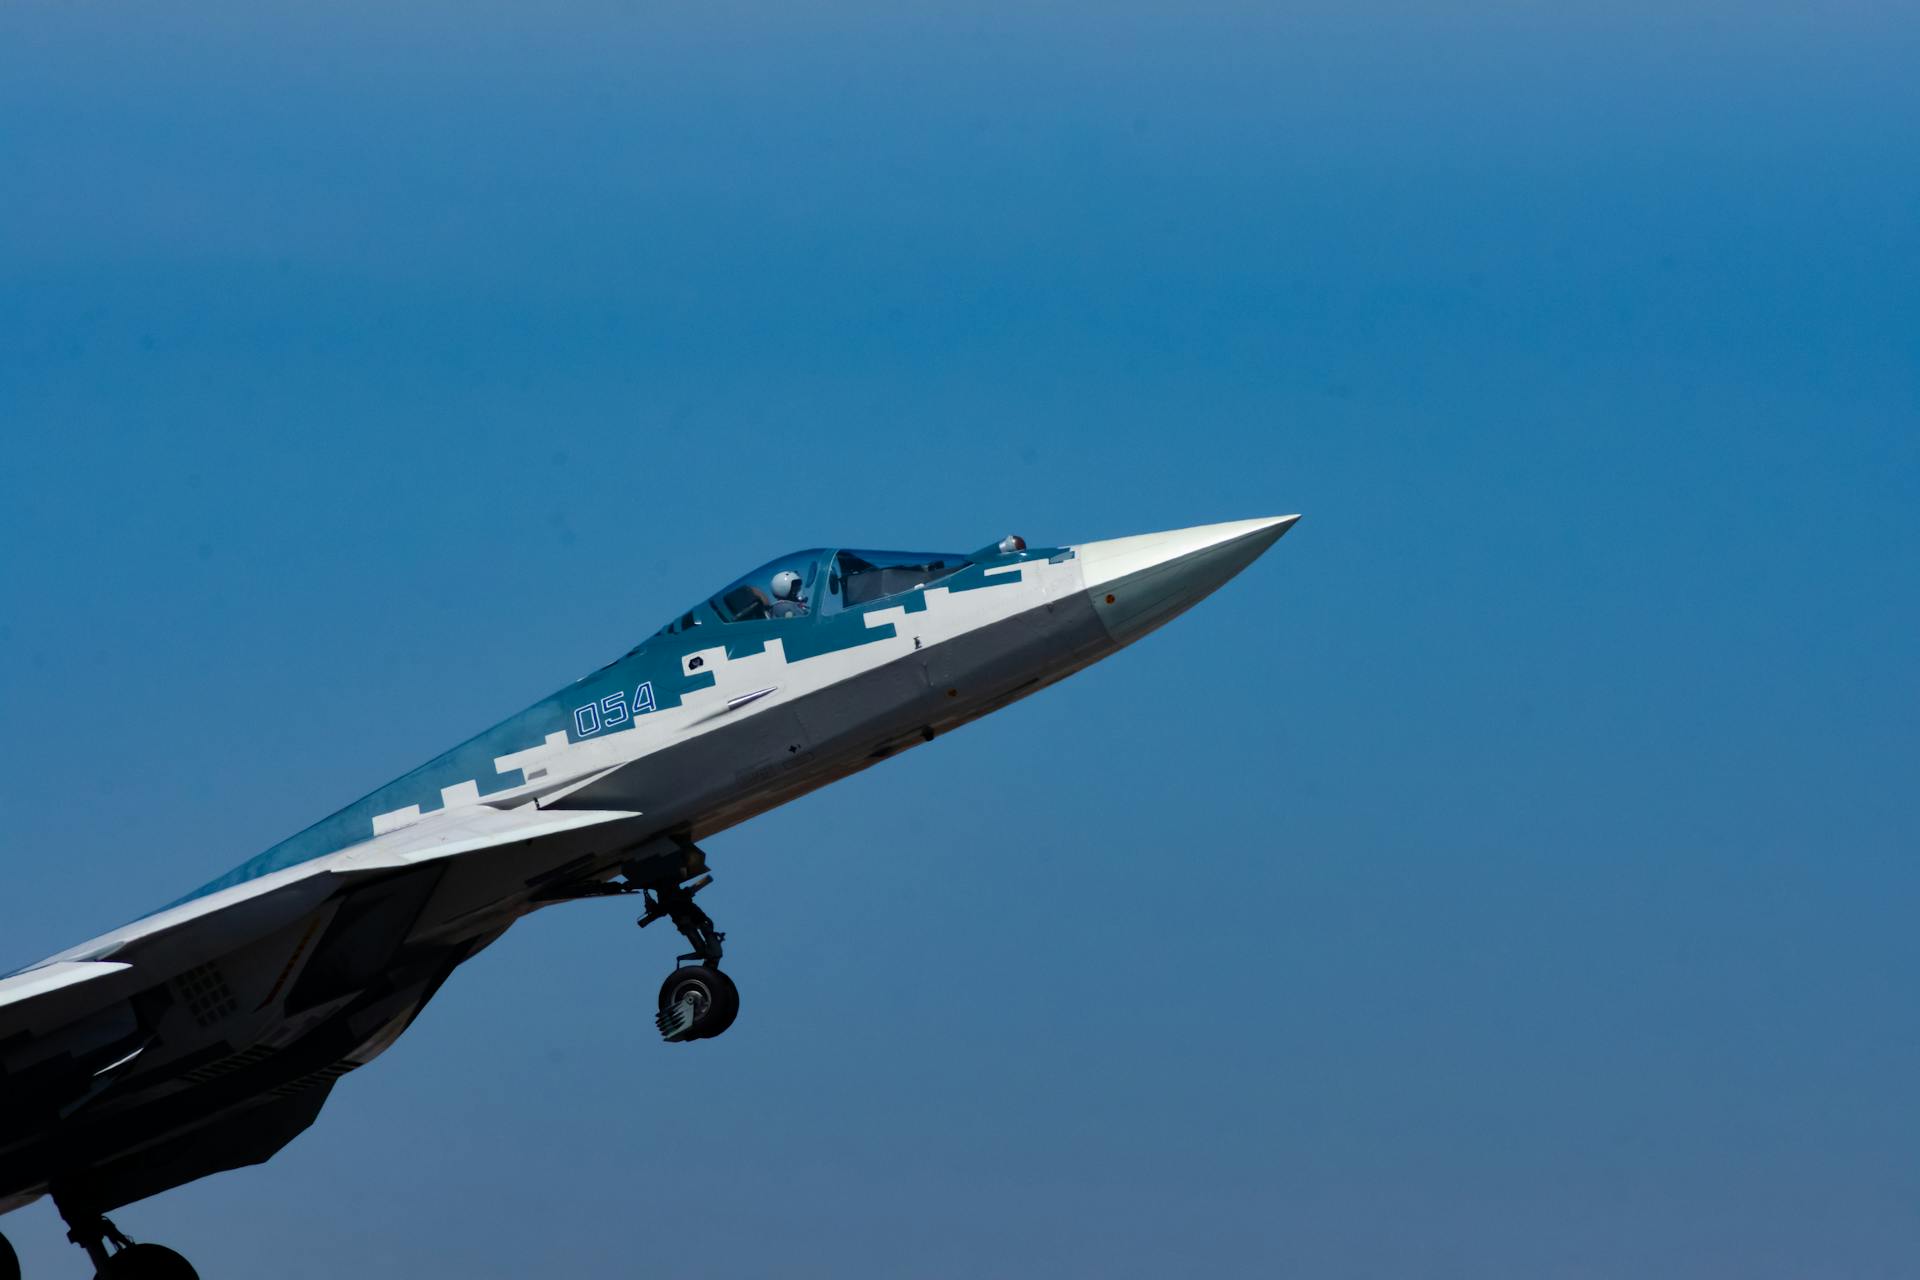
pixel 1513 874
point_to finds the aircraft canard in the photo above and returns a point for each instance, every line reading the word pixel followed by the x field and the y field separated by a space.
pixel 207 1035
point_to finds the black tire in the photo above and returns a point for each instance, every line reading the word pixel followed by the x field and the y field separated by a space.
pixel 147 1262
pixel 729 1007
pixel 9 1261
pixel 713 992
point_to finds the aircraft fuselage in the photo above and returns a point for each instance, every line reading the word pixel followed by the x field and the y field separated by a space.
pixel 208 1035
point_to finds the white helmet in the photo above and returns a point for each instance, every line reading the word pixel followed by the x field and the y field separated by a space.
pixel 786 585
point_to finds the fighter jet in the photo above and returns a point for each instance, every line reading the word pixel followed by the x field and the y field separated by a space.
pixel 207 1035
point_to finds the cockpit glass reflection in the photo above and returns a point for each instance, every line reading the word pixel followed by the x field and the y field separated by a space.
pixel 802 584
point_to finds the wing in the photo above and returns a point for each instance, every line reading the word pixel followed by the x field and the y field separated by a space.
pixel 106 968
pixel 49 989
pixel 263 989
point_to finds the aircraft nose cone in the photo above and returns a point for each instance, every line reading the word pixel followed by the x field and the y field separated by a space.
pixel 1142 582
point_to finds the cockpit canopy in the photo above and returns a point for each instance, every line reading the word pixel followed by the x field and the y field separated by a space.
pixel 817 582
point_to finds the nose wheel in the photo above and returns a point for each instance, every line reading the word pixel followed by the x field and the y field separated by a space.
pixel 697 1002
pixel 147 1262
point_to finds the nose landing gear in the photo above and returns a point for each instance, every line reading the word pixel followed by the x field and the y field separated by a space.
pixel 697 1001
pixel 125 1260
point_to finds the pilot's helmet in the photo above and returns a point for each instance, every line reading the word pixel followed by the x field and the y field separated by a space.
pixel 786 585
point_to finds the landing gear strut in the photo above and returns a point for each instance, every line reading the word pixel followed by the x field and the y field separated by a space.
pixel 125 1261
pixel 697 1001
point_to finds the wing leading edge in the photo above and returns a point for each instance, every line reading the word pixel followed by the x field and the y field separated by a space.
pixel 95 1031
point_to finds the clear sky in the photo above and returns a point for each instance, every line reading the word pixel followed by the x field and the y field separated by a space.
pixel 1512 874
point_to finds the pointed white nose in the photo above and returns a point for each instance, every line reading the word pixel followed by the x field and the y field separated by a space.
pixel 1142 582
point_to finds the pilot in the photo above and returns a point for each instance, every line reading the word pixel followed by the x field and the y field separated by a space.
pixel 787 601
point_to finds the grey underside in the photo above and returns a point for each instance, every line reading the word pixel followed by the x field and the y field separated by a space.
pixel 381 945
